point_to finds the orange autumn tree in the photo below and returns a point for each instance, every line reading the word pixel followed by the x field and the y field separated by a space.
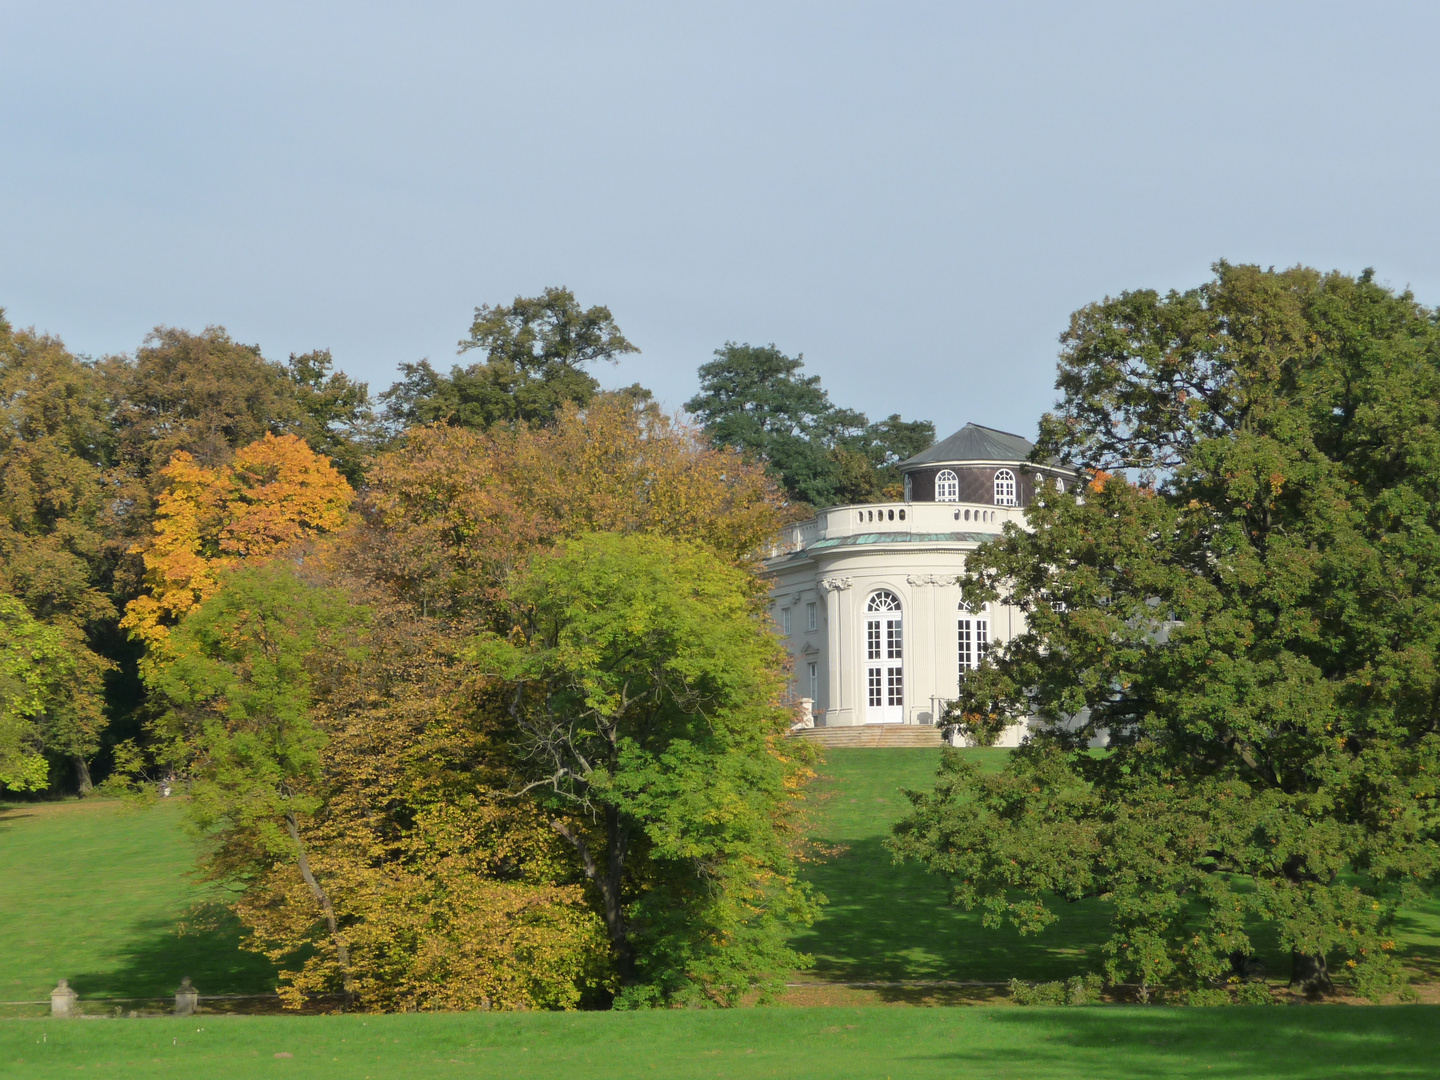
pixel 276 493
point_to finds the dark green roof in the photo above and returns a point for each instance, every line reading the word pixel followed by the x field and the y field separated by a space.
pixel 974 443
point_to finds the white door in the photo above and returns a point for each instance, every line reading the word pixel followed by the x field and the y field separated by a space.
pixel 884 660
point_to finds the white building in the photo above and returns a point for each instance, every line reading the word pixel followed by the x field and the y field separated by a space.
pixel 867 596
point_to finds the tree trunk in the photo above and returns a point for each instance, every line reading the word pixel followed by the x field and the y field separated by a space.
pixel 609 881
pixel 82 775
pixel 1309 974
pixel 342 950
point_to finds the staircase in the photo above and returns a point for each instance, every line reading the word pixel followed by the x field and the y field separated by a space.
pixel 868 736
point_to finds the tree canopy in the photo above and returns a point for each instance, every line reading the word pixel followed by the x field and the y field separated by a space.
pixel 753 398
pixel 646 693
pixel 536 353
pixel 1250 623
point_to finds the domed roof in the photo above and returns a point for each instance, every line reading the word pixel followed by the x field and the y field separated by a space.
pixel 974 443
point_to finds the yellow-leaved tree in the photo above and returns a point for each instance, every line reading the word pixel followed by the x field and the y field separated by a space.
pixel 276 493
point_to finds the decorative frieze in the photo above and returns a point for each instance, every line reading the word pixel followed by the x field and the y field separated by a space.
pixel 835 584
pixel 930 579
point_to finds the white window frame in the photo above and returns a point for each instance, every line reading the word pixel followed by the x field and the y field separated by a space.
pixel 972 639
pixel 785 621
pixel 1005 488
pixel 812 619
pixel 947 486
pixel 814 673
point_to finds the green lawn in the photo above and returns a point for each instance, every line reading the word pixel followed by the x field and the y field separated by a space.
pixel 887 922
pixel 833 1044
pixel 97 892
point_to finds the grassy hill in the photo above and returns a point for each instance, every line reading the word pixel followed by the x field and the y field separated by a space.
pixel 102 894
pixel 886 922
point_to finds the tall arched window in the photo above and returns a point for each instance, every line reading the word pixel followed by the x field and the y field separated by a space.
pixel 947 486
pixel 884 659
pixel 1004 488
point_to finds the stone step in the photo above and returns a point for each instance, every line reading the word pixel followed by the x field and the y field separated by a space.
pixel 872 735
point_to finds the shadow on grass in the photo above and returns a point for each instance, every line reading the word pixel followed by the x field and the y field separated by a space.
pixel 1285 1043
pixel 160 954
pixel 888 922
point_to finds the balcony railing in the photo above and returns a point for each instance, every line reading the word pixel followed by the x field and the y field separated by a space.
pixel 880 519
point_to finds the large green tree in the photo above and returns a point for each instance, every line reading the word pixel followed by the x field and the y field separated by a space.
pixel 645 691
pixel 754 398
pixel 1247 613
pixel 241 727
pixel 536 353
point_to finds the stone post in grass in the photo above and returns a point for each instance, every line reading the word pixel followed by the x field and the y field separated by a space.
pixel 62 1000
pixel 187 998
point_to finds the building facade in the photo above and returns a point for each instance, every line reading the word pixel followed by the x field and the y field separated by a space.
pixel 867 596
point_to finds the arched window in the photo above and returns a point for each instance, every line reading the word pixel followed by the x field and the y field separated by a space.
pixel 947 486
pixel 884 659
pixel 1004 488
pixel 884 600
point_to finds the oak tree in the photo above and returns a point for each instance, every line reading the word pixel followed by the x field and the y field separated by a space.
pixel 536 352
pixel 1250 623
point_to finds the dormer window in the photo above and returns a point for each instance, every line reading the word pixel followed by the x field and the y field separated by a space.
pixel 947 486
pixel 1004 488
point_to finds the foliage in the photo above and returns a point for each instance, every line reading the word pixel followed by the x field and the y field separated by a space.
pixel 240 683
pixel 202 394
pixel 536 350
pixel 1076 990
pixel 1254 632
pixel 449 894
pixel 335 414
pixel 275 494
pixel 646 691
pixel 49 697
pixel 455 511
pixel 753 398
pixel 62 516
pixel 207 395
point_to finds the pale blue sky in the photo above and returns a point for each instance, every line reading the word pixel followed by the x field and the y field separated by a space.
pixel 915 196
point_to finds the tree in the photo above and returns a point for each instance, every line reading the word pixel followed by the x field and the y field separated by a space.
pixel 753 398
pixel 336 418
pixel 241 688
pixel 646 692
pixel 49 697
pixel 456 511
pixel 275 494
pixel 204 394
pixel 451 891
pixel 1254 628
pixel 536 350
pixel 63 511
